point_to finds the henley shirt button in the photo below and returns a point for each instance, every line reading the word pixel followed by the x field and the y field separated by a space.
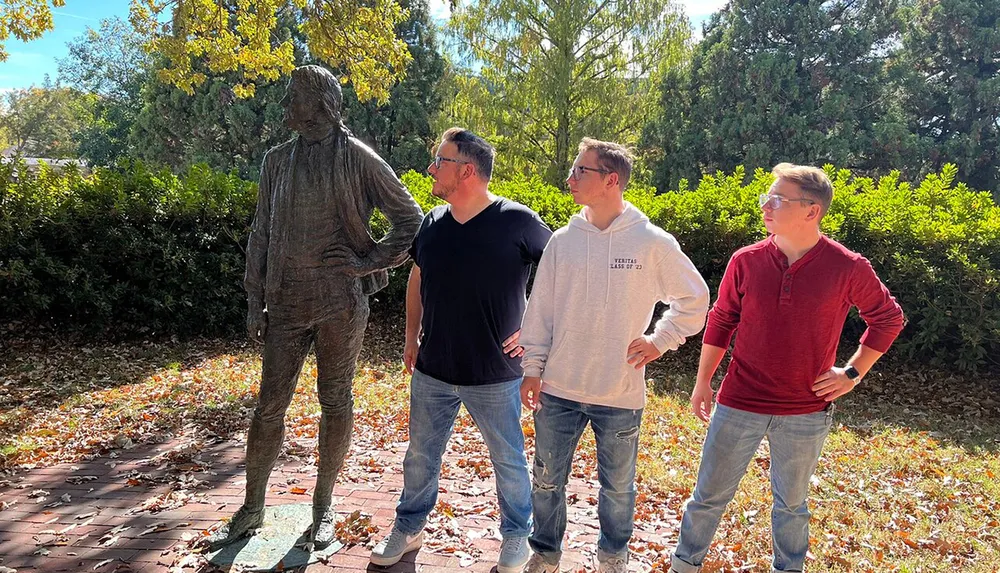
pixel 786 289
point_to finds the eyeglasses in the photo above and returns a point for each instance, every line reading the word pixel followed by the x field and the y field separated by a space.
pixel 776 201
pixel 575 173
pixel 438 160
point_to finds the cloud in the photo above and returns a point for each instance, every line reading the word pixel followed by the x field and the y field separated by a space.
pixel 77 16
pixel 439 9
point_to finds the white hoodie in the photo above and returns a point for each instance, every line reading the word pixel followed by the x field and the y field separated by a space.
pixel 594 293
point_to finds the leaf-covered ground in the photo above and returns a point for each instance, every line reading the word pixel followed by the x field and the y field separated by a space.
pixel 907 481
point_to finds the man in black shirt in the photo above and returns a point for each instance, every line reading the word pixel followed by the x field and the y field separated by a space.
pixel 464 303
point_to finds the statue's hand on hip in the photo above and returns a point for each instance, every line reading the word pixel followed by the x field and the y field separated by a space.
pixel 256 323
pixel 344 259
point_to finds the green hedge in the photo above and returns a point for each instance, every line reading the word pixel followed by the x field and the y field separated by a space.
pixel 124 250
pixel 138 250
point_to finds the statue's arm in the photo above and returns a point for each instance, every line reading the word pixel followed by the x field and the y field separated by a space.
pixel 256 274
pixel 391 197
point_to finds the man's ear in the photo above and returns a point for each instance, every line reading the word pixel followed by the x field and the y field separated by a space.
pixel 468 170
pixel 612 179
pixel 815 212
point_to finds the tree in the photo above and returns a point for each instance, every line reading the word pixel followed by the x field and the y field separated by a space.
pixel 212 37
pixel 205 38
pixel 951 59
pixel 211 126
pixel 555 72
pixel 110 63
pixel 773 80
pixel 41 121
pixel 26 20
pixel 401 130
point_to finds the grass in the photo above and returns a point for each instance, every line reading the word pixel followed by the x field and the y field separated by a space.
pixel 907 481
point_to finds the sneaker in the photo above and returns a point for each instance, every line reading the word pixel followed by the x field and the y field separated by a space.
pixel 538 565
pixel 391 549
pixel 612 563
pixel 514 553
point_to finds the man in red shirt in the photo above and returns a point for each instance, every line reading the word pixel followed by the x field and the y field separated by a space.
pixel 788 296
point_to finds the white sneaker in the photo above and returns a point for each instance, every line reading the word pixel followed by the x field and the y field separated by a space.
pixel 538 565
pixel 391 549
pixel 514 553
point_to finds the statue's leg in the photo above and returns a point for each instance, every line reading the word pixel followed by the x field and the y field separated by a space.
pixel 338 344
pixel 285 350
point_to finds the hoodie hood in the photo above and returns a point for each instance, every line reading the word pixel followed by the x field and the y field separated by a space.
pixel 628 218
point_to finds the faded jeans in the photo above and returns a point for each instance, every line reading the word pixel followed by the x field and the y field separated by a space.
pixel 733 437
pixel 496 410
pixel 558 427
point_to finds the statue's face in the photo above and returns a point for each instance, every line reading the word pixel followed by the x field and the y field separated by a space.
pixel 306 113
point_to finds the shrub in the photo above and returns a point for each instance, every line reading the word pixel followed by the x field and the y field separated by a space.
pixel 130 249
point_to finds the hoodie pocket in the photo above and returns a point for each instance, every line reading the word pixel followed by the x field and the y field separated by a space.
pixel 559 346
pixel 589 364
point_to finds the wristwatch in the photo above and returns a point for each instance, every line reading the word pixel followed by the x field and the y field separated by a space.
pixel 852 373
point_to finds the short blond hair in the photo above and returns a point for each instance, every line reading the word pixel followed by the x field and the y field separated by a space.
pixel 612 157
pixel 813 182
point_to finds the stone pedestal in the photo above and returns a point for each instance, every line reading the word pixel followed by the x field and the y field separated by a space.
pixel 279 545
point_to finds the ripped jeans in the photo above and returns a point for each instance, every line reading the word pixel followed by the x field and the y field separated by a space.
pixel 558 427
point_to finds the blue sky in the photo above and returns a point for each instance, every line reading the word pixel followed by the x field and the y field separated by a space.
pixel 30 62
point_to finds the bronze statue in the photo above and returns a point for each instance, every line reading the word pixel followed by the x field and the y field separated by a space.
pixel 311 265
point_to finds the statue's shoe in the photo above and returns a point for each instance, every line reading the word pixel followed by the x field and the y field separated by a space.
pixel 324 527
pixel 245 522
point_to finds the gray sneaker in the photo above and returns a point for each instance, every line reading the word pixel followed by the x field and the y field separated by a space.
pixel 612 563
pixel 514 553
pixel 538 565
pixel 391 549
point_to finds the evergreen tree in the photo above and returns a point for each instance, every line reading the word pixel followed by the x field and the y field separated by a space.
pixel 951 62
pixel 776 80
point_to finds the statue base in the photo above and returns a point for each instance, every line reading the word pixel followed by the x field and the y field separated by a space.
pixel 281 543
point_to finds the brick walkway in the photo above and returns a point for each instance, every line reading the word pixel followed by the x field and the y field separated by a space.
pixel 91 518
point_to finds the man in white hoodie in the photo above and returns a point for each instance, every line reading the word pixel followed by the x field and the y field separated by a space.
pixel 585 350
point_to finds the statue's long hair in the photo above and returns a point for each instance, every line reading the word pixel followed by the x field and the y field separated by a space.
pixel 320 83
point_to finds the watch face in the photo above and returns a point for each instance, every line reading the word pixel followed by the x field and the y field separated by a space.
pixel 852 373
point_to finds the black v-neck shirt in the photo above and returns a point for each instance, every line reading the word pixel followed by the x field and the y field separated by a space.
pixel 473 279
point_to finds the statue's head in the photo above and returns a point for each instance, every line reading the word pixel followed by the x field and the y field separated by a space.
pixel 312 102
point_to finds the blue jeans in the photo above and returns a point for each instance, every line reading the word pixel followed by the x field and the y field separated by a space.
pixel 496 410
pixel 733 438
pixel 558 426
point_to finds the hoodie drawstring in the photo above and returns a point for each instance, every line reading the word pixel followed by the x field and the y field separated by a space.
pixel 607 289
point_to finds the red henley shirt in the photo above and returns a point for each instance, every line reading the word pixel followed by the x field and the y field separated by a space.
pixel 790 319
